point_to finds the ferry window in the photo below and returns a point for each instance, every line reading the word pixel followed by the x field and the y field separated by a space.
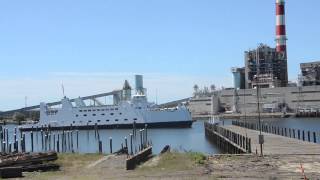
pixel 84 110
pixel 99 120
pixel 126 119
pixel 74 122
pixel 102 114
pixel 98 109
pixel 93 114
pixel 111 109
pixel 80 110
pixel 89 121
pixel 120 113
pixel 77 115
pixel 139 107
pixel 89 110
pixel 102 109
pixel 135 119
pixel 116 108
pixel 84 115
pixel 107 120
pixel 93 110
pixel 116 119
pixel 111 114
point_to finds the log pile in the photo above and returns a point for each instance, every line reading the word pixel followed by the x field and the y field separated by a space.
pixel 12 165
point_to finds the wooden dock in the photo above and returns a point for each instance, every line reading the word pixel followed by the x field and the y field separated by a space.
pixel 276 144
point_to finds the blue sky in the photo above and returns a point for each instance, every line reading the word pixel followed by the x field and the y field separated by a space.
pixel 92 46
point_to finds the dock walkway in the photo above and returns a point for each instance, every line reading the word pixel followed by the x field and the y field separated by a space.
pixel 275 144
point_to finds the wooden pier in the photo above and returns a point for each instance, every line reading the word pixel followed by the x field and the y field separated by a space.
pixel 228 141
pixel 276 144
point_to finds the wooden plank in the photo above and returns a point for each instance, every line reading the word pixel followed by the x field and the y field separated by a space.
pixel 275 144
pixel 142 156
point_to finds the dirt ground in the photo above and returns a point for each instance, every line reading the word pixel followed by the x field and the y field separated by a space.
pixel 185 166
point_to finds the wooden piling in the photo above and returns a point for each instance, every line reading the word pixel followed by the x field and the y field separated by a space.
pixel 58 144
pixel 131 143
pixel 110 141
pixel 141 139
pixel 78 140
pixel 126 142
pixel 100 147
pixel 54 141
pixel 31 138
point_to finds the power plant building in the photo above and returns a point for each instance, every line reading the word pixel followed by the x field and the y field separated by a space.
pixel 266 67
pixel 310 73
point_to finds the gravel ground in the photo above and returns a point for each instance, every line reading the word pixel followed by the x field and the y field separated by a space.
pixel 268 167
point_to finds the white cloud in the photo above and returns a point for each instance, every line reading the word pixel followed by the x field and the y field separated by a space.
pixel 48 88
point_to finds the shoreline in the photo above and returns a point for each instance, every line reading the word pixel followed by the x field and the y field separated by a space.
pixel 188 165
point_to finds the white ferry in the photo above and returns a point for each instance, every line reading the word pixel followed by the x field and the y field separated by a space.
pixel 123 113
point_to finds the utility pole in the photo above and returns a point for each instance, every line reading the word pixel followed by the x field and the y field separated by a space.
pixel 261 139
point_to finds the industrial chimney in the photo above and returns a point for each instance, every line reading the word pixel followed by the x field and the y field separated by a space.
pixel 281 37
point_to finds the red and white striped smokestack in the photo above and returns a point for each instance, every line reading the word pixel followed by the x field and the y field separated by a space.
pixel 281 37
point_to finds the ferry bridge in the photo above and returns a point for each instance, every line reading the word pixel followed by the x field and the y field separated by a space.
pixel 115 94
pixel 91 97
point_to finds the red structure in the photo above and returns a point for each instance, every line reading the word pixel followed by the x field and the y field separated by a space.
pixel 281 37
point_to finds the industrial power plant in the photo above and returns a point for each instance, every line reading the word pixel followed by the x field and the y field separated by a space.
pixel 265 68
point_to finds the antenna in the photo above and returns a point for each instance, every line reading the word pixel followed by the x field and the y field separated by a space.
pixel 63 90
pixel 156 96
pixel 25 101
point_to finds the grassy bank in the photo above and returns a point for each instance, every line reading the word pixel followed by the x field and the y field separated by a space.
pixel 70 164
pixel 174 161
pixel 77 166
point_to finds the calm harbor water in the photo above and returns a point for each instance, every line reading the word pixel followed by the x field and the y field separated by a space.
pixel 187 139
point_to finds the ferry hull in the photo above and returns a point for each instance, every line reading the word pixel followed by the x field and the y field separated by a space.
pixel 172 124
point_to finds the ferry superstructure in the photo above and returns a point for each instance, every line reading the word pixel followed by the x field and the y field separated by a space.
pixel 124 113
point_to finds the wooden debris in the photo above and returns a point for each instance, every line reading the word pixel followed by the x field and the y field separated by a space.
pixel 10 172
pixel 165 149
pixel 12 165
